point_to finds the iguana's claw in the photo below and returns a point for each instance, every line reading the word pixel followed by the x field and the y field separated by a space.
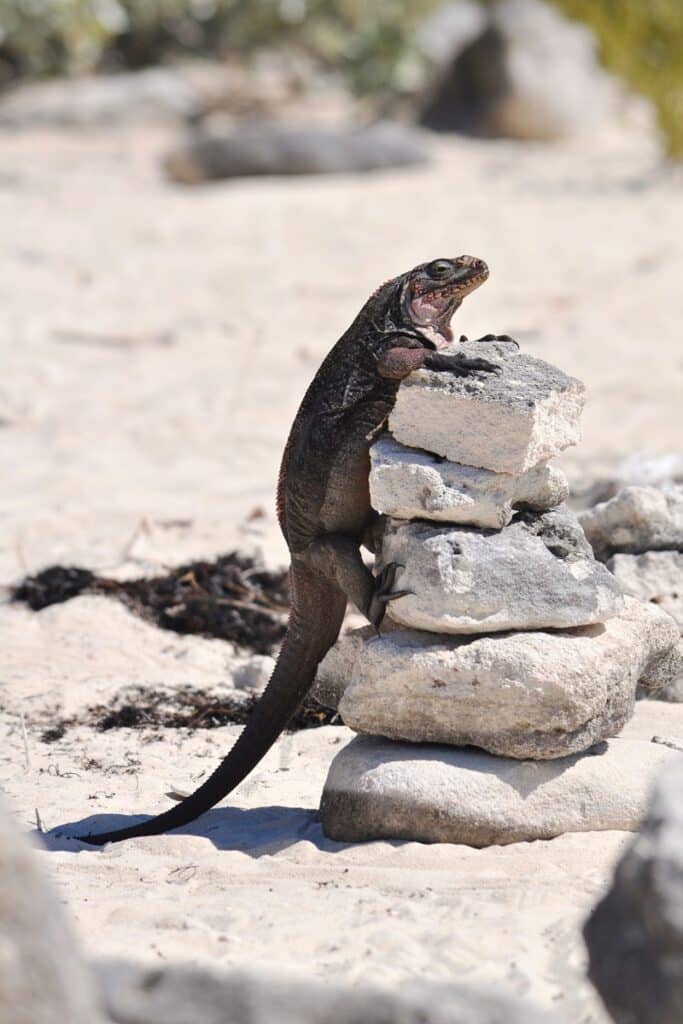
pixel 495 337
pixel 473 363
pixel 383 593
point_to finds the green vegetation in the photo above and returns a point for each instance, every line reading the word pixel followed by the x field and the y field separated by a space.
pixel 370 43
pixel 642 41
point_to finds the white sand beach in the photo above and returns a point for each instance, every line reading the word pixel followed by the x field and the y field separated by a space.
pixel 155 344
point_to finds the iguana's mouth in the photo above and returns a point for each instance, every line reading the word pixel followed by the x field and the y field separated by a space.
pixel 432 310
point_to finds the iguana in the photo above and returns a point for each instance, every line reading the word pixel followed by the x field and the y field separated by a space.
pixel 323 500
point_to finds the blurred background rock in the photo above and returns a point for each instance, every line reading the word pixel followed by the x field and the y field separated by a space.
pixel 518 68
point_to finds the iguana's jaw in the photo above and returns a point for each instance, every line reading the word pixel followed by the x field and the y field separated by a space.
pixel 431 304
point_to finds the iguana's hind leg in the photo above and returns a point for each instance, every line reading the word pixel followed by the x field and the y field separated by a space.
pixel 338 557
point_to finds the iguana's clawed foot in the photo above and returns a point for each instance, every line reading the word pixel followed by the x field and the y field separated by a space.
pixel 459 364
pixel 383 593
pixel 471 364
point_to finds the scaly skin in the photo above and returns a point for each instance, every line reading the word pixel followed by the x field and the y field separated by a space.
pixel 324 502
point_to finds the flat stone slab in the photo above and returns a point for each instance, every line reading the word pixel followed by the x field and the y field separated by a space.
pixel 407 483
pixel 507 421
pixel 635 520
pixel 536 573
pixel 654 576
pixel 378 789
pixel 521 695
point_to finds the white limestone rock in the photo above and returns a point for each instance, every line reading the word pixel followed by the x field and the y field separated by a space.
pixel 655 576
pixel 336 668
pixel 536 573
pixel 521 695
pixel 637 519
pixel 42 977
pixel 378 789
pixel 254 673
pixel 506 422
pixel 411 484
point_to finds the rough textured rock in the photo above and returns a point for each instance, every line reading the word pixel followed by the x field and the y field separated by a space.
pixel 379 789
pixel 655 576
pixel 522 695
pixel 536 573
pixel 42 979
pixel 192 995
pixel 336 668
pixel 663 678
pixel 411 484
pixel 258 148
pixel 139 96
pixel 529 73
pixel 507 421
pixel 635 934
pixel 638 519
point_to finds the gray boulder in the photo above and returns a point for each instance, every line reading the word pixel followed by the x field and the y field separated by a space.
pixel 193 995
pixel 407 483
pixel 42 979
pixel 155 94
pixel 636 520
pixel 635 934
pixel 378 789
pixel 521 695
pixel 262 147
pixel 507 421
pixel 663 677
pixel 527 73
pixel 655 576
pixel 536 573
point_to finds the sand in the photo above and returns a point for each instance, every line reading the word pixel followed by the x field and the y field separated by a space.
pixel 155 344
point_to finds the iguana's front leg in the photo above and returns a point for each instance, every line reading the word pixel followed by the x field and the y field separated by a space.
pixel 396 363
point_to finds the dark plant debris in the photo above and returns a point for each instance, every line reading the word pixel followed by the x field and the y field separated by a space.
pixel 142 707
pixel 232 598
pixel 52 586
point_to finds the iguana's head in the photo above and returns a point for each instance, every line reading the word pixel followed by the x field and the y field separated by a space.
pixel 433 291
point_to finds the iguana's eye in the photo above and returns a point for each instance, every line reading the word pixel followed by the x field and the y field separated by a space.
pixel 440 268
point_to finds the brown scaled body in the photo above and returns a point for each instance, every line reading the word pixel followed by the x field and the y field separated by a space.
pixel 324 503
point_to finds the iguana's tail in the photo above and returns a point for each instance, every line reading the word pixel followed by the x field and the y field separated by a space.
pixel 318 607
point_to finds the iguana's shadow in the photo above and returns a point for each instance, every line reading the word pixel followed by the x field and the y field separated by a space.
pixel 256 831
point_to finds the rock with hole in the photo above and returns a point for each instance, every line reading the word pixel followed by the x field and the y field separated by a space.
pixel 536 573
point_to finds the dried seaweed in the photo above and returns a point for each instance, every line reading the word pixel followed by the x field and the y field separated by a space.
pixel 232 598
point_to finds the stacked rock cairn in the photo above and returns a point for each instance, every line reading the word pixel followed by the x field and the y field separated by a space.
pixel 514 651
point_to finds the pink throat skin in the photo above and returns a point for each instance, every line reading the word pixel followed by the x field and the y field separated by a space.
pixel 431 306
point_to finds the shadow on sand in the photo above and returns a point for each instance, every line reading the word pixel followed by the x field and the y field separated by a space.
pixel 256 831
